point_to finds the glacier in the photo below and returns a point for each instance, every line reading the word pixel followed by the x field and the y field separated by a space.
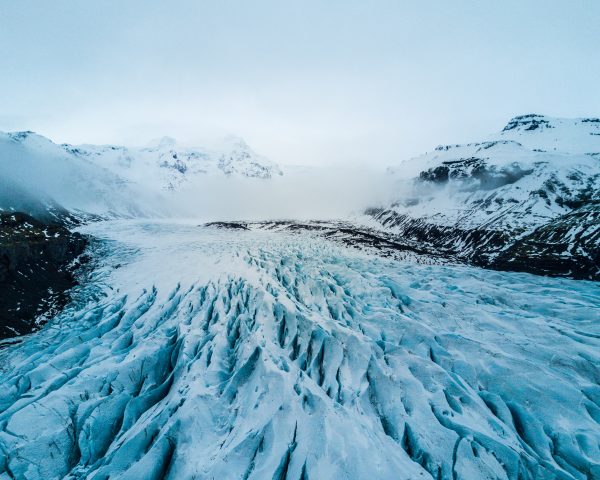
pixel 193 352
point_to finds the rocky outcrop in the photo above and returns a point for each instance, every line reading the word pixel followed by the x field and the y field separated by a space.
pixel 528 122
pixel 469 245
pixel 567 246
pixel 36 270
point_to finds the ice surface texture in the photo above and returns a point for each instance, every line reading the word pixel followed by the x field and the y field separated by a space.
pixel 258 355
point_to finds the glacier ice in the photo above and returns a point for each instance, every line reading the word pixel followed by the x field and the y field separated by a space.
pixel 198 353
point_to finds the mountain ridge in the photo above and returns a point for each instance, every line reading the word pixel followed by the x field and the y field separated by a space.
pixel 483 200
pixel 55 181
pixel 166 165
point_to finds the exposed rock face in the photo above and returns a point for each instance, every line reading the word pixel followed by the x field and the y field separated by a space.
pixel 36 263
pixel 528 122
pixel 567 246
pixel 483 176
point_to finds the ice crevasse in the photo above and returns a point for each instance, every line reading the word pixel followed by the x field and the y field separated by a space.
pixel 197 353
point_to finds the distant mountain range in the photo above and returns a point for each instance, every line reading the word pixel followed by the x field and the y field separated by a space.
pixel 52 181
pixel 526 198
pixel 165 165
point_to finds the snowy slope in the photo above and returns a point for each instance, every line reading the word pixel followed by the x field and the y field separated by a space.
pixel 165 165
pixel 48 180
pixel 41 178
pixel 519 177
pixel 535 171
pixel 551 134
pixel 250 354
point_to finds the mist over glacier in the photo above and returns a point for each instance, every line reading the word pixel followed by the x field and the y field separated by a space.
pixel 164 179
pixel 320 193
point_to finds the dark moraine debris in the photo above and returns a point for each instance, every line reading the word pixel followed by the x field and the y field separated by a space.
pixel 228 225
pixel 568 246
pixel 37 261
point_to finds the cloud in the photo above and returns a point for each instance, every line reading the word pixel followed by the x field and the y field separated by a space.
pixel 301 193
pixel 312 82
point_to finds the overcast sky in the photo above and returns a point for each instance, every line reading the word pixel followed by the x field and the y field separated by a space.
pixel 307 81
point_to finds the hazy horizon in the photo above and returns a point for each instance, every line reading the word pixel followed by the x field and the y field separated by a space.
pixel 309 84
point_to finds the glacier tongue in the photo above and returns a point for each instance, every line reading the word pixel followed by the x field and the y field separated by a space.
pixel 200 353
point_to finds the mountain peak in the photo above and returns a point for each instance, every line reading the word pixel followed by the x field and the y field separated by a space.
pixel 233 142
pixel 27 136
pixel 556 134
pixel 528 122
pixel 165 142
pixel 20 135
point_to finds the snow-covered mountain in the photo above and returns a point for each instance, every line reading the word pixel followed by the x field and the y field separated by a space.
pixel 40 178
pixel 530 193
pixel 165 165
pixel 51 181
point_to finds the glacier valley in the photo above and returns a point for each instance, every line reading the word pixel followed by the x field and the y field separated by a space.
pixel 193 352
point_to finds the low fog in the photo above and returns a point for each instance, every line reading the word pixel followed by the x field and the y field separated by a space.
pixel 301 193
pixel 38 175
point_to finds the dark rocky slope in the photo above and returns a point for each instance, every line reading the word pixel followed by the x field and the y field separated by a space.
pixel 568 246
pixel 37 261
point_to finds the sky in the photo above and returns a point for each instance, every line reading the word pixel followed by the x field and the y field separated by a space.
pixel 306 82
